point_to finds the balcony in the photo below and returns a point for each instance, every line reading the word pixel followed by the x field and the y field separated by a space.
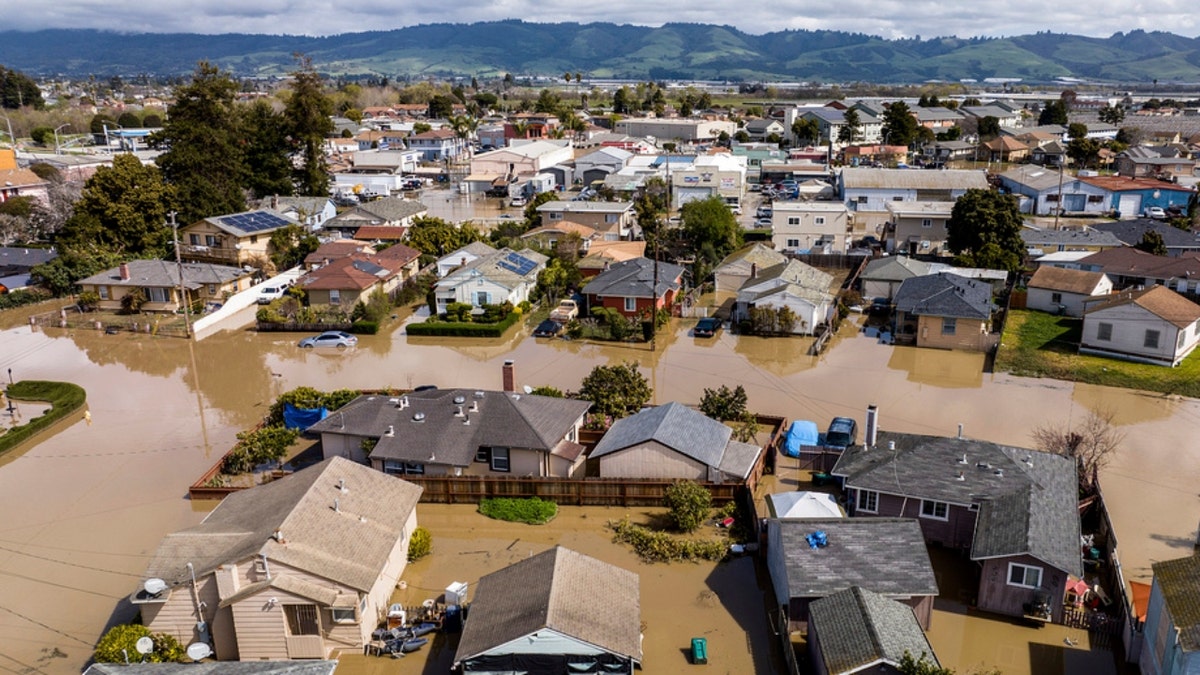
pixel 209 254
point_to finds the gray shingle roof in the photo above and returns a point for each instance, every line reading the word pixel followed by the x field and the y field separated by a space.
pixel 163 274
pixel 632 279
pixel 945 294
pixel 898 268
pixel 674 425
pixel 1179 581
pixel 885 555
pixel 1130 232
pixel 19 258
pixel 502 420
pixel 349 546
pixel 216 668
pixel 1090 237
pixel 856 628
pixel 562 590
pixel 1027 498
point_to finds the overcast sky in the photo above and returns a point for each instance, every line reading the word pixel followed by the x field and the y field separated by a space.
pixel 889 18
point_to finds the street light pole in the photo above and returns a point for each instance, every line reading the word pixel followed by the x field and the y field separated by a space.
pixel 56 129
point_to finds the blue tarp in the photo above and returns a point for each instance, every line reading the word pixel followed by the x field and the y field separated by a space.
pixel 302 418
pixel 802 432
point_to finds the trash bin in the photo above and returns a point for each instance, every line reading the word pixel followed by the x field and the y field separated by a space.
pixel 700 651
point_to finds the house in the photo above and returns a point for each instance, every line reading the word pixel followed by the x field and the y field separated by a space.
pixel 705 176
pixel 937 118
pixel 1130 232
pixel 944 310
pixel 464 255
pixel 493 279
pixel 531 126
pixel 158 281
pixel 389 211
pixel 816 227
pixel 236 239
pixel 1045 240
pixel 1172 627
pixel 674 442
pixel 867 191
pixel 1050 153
pixel 946 151
pixel 1132 196
pixel 601 255
pixel 1038 192
pixel 1129 267
pixel 1007 118
pixel 445 432
pixel 348 280
pixel 22 183
pixel 548 236
pixel 292 569
pixel 1152 161
pixel 438 145
pixel 1004 149
pixel 377 173
pixel 17 262
pixel 830 122
pixel 311 211
pixel 614 219
pixel 632 287
pixel 795 504
pixel 1155 325
pixel 557 612
pixel 744 263
pixel 760 129
pixel 332 250
pixel 380 234
pixel 883 276
pixel 919 227
pixel 216 668
pixel 859 631
pixel 884 555
pixel 1063 291
pixel 684 130
pixel 504 166
pixel 1014 511
pixel 803 289
pixel 596 165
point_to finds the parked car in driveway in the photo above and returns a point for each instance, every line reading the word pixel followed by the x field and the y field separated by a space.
pixel 842 433
pixel 271 293
pixel 763 222
pixel 707 327
pixel 1156 212
pixel 332 338
pixel 548 329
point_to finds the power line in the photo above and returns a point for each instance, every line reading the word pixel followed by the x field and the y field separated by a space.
pixel 69 564
pixel 47 627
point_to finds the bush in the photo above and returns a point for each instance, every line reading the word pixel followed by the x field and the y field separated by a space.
pixel 454 329
pixel 131 302
pixel 309 398
pixel 654 546
pixel 616 391
pixel 364 327
pixel 64 398
pixel 22 297
pixel 723 403
pixel 121 640
pixel 420 545
pixel 533 511
pixel 268 444
pixel 690 504
pixel 547 390
pixel 88 300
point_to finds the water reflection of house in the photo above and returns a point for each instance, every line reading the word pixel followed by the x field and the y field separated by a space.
pixel 292 569
pixel 158 280
pixel 859 631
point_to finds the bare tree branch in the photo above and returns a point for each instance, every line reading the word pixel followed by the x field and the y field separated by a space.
pixel 1091 442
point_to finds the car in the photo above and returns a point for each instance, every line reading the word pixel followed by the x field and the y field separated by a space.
pixel 764 212
pixel 332 338
pixel 763 222
pixel 269 294
pixel 1156 212
pixel 518 201
pixel 756 187
pixel 842 433
pixel 737 210
pixel 707 327
pixel 548 329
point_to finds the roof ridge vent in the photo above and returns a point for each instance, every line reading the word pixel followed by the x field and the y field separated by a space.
pixel 961 476
pixel 982 465
pixel 963 459
pixel 418 417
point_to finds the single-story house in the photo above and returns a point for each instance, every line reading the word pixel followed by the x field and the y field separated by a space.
pixel 462 256
pixel 1063 291
pixel 1129 268
pixel 329 251
pixel 1038 240
pixel 1155 325
pixel 883 276
pixel 557 612
pixel 860 631
pixel 743 264
pixel 1014 510
pixel 17 262
pixel 1038 191
pixel 390 211
pixel 236 239
pixel 292 569
pixel 1004 149
pixel 802 288
pixel 351 279
pixel 631 287
pixel 674 442
pixel 944 310
pixel 884 555
pixel 312 211
pixel 1171 643
pixel 158 280
pixel 502 276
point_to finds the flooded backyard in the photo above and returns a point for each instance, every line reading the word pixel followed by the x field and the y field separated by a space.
pixel 84 508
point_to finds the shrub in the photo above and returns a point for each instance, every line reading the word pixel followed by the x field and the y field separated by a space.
pixel 546 390
pixel 23 297
pixel 454 329
pixel 121 640
pixel 64 398
pixel 309 398
pixel 533 511
pixel 723 403
pixel 690 504
pixel 131 302
pixel 268 444
pixel 420 545
pixel 654 546
pixel 364 327
pixel 616 390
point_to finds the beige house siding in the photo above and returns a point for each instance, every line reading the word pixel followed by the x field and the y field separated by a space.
pixel 177 616
pixel 651 460
pixel 346 446
pixel 970 334
pixel 219 292
pixel 911 230
pixel 347 298
pixel 230 250
pixel 594 220
pixel 261 626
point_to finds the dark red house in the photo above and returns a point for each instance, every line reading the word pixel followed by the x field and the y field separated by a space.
pixel 630 287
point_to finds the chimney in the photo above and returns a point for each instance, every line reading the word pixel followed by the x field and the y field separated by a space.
pixel 124 269
pixel 960 430
pixel 274 201
pixel 753 270
pixel 872 424
pixel 509 377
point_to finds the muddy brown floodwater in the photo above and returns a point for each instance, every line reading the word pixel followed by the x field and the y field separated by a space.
pixel 84 508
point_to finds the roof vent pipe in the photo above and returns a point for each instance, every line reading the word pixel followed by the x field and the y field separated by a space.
pixel 891 445
pixel 391 431
pixel 337 506
pixel 872 424
pixel 960 430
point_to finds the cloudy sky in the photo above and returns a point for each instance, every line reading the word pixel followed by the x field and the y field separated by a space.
pixel 889 18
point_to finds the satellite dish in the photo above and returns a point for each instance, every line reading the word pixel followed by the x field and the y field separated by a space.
pixel 198 651
pixel 144 645
pixel 528 389
pixel 154 586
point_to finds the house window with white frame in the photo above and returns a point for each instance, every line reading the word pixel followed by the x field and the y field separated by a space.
pixel 343 615
pixel 103 292
pixel 1024 576
pixel 157 294
pixel 867 501
pixel 611 218
pixel 949 324
pixel 335 296
pixel 555 215
pixel 1056 298
pixel 935 510
pixel 793 243
pixel 630 304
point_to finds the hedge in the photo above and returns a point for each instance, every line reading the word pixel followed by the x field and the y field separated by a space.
pixel 64 398
pixel 533 511
pixel 364 327
pixel 445 328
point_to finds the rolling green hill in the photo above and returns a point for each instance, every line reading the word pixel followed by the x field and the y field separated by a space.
pixel 673 51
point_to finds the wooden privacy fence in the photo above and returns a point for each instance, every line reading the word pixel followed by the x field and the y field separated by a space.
pixel 572 491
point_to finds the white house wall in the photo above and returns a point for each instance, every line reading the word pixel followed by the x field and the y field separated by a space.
pixel 1129 326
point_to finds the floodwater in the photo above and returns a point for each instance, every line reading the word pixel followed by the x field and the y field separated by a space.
pixel 84 508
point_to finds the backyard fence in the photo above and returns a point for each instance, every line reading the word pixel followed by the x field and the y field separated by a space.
pixel 569 491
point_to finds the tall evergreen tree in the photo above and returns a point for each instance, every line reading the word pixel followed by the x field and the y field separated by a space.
pixel 268 165
pixel 309 121
pixel 899 125
pixel 123 208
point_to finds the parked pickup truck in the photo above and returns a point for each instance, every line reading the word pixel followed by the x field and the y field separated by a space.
pixel 566 310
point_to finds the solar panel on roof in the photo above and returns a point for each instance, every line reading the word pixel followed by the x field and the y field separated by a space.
pixel 254 221
pixel 517 265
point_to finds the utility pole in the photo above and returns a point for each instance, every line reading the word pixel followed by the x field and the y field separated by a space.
pixel 1058 210
pixel 187 306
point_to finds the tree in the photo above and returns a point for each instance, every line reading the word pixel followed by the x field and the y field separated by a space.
pixel 849 131
pixel 1055 112
pixel 203 159
pixel 122 208
pixel 690 504
pixel 532 217
pixel 899 125
pixel 984 230
pixel 1083 151
pixel 308 114
pixel 441 106
pixel 18 90
pixel 724 404
pixel 547 102
pixel 290 245
pixel 1092 444
pixel 621 104
pixel 557 277
pixel 59 275
pixel 1112 114
pixel 805 131
pixel 119 644
pixel 129 120
pixel 1152 243
pixel 910 665
pixel 710 222
pixel 616 391
pixel 1077 130
pixel 42 135
pixel 989 126
pixel 435 237
pixel 268 166
pixel 99 121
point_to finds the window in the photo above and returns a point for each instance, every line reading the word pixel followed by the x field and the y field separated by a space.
pixel 212 241
pixel 335 297
pixel 795 243
pixel 555 216
pixel 1104 332
pixel 819 220
pixel 897 199
pixel 156 294
pixel 254 239
pixel 1056 298
pixel 862 199
pixel 414 468
pixel 1182 339
pixel 630 304
pixel 103 291
pixel 212 289
pixel 483 297
pixel 948 325
pixel 343 614
pixel 868 501
pixel 926 222
pixel 483 454
pixel 302 619
pixel 500 459
pixel 1151 341
pixel 611 218
pixel 1024 576
pixel 935 510
pixel 793 220
pixel 195 239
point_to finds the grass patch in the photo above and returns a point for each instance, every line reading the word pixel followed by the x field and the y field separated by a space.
pixel 654 546
pixel 1037 344
pixel 64 398
pixel 533 511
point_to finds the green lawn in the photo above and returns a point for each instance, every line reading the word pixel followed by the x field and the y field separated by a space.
pixel 1036 344
pixel 63 397
pixel 533 510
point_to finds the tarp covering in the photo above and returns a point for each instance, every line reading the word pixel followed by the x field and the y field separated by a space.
pixel 802 432
pixel 302 418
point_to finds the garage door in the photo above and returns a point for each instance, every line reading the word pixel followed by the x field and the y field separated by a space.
pixel 1130 206
pixel 685 195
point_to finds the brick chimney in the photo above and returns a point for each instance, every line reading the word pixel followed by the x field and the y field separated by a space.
pixel 124 270
pixel 509 376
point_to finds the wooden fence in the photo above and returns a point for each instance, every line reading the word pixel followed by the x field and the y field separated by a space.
pixel 571 491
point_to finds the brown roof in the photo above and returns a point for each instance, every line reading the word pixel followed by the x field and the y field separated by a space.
pixel 381 233
pixel 606 252
pixel 1159 301
pixel 1122 183
pixel 336 249
pixel 358 271
pixel 564 226
pixel 436 133
pixel 20 178
pixel 1131 262
pixel 1067 281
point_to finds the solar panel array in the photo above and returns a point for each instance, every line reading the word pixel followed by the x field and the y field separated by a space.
pixel 517 264
pixel 254 221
